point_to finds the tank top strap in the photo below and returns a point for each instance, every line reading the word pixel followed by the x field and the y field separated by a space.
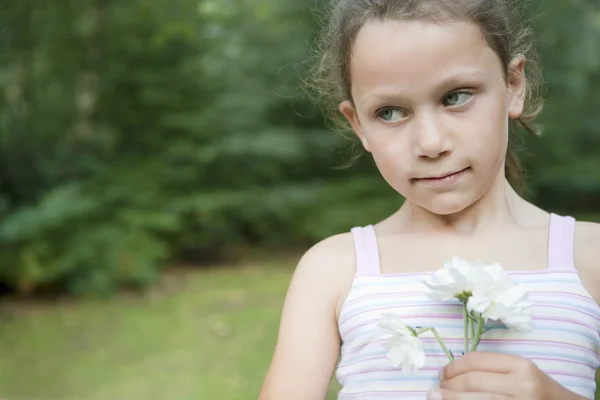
pixel 561 241
pixel 367 253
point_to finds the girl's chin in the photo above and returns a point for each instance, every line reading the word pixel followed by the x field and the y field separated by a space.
pixel 446 204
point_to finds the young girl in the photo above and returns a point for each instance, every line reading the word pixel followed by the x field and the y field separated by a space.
pixel 430 87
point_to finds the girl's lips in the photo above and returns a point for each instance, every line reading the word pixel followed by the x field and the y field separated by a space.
pixel 443 179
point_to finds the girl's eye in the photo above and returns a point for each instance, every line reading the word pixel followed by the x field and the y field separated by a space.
pixel 456 99
pixel 391 114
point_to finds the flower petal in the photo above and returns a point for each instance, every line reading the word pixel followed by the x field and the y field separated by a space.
pixel 404 347
pixel 478 304
pixel 396 355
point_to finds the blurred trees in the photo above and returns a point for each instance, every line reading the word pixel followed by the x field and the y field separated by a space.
pixel 135 134
pixel 564 165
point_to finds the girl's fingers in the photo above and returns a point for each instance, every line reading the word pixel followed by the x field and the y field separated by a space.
pixel 483 361
pixel 450 395
pixel 478 381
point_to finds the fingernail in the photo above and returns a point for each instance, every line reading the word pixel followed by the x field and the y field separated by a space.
pixel 441 375
pixel 435 395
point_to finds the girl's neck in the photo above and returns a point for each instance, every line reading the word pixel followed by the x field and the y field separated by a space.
pixel 500 209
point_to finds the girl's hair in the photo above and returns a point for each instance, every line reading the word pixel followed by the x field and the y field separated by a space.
pixel 499 21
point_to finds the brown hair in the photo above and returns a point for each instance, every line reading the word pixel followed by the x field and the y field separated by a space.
pixel 499 21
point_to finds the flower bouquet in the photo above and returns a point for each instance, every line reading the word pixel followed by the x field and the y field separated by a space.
pixel 486 292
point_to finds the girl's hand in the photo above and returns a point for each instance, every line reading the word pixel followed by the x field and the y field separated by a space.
pixel 494 376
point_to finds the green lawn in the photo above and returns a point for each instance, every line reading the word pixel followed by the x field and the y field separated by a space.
pixel 198 335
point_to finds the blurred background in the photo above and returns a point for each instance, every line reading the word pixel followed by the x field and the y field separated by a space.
pixel 162 170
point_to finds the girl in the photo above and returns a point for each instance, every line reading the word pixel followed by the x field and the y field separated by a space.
pixel 430 88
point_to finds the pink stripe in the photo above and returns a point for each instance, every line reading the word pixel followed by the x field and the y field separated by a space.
pixel 379 343
pixel 448 304
pixel 385 294
pixel 571 375
pixel 512 342
pixel 453 317
pixel 393 307
pixel 363 346
pixel 349 364
pixel 531 292
pixel 377 392
pixel 563 361
pixel 562 271
pixel 422 316
pixel 436 369
pixel 571 309
pixel 372 370
pixel 406 294
pixel 579 296
pixel 442 355
pixel 565 320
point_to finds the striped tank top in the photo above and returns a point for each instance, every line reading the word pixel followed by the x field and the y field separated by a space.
pixel 565 342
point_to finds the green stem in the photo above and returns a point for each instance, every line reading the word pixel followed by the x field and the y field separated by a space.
pixel 472 326
pixel 439 339
pixel 466 321
pixel 477 338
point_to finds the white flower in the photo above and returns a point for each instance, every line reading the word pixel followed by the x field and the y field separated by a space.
pixel 404 347
pixel 487 290
pixel 457 279
pixel 492 280
pixel 498 297
pixel 512 308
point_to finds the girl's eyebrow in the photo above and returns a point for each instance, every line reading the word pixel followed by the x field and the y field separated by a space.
pixel 382 97
pixel 460 77
pixel 388 94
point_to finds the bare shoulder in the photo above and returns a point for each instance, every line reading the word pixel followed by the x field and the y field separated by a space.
pixel 587 256
pixel 587 245
pixel 329 264
pixel 333 252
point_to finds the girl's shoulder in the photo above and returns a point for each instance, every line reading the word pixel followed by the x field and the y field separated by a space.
pixel 587 244
pixel 587 256
pixel 329 266
pixel 333 254
pixel 340 245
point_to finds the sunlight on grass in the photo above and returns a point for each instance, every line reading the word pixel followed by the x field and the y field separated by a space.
pixel 201 335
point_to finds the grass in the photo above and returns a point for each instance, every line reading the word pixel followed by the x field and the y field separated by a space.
pixel 198 335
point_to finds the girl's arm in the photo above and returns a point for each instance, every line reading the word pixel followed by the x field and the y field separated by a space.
pixel 308 343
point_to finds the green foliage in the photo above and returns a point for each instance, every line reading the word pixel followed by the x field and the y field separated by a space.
pixel 136 134
pixel 58 239
pixel 564 172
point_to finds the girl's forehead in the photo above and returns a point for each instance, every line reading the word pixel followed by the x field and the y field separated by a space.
pixel 408 53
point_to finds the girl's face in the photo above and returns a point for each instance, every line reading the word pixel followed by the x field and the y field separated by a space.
pixel 432 106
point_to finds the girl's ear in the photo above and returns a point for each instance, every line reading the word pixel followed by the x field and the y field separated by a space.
pixel 349 111
pixel 517 87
